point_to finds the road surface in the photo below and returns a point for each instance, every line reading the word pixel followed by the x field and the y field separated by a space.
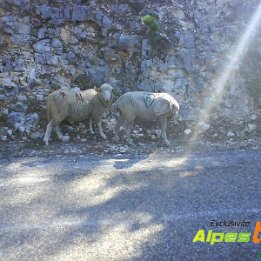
pixel 128 207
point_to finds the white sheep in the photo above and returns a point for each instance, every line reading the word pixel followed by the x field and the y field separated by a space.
pixel 145 107
pixel 76 106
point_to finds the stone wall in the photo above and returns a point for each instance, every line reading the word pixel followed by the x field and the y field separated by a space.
pixel 46 45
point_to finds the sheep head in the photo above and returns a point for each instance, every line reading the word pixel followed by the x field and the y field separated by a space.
pixel 105 92
pixel 166 105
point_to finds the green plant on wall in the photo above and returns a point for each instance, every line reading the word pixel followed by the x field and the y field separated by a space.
pixel 151 22
pixel 158 40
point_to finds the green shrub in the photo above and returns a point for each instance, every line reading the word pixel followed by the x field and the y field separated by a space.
pixel 151 22
pixel 155 37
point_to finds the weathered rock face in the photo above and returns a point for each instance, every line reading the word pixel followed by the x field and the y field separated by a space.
pixel 47 45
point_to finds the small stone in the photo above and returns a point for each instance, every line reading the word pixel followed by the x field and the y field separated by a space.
pixel 42 46
pixel 37 135
pixel 20 107
pixel 123 149
pixel 204 126
pixel 66 138
pixel 4 111
pixel 32 119
pixel 71 56
pixel 126 42
pixel 56 43
pixel 3 137
pixel 22 98
pixel 230 134
pixel 21 129
pixel 253 117
pixel 2 97
pixel 16 119
pixel 251 127
pixel 39 97
pixel 83 140
pixel 79 13
pixel 73 40
pixel 120 9
pixel 9 132
pixel 187 131
pixel 153 137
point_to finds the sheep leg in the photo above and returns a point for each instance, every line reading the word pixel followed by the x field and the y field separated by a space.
pixel 128 132
pixel 163 123
pixel 101 130
pixel 48 132
pixel 117 128
pixel 90 126
pixel 59 134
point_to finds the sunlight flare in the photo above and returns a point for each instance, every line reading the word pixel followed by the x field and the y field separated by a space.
pixel 219 84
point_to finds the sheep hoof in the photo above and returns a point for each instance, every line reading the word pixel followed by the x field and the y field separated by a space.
pixel 167 143
pixel 46 142
pixel 92 132
pixel 104 136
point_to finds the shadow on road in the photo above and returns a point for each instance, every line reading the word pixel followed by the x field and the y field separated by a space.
pixel 138 209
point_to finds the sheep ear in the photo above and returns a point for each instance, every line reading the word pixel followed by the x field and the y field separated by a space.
pixel 161 107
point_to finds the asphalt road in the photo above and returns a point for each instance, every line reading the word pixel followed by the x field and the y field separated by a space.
pixel 128 207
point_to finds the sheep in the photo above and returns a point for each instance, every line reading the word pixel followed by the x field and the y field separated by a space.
pixel 77 106
pixel 145 107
